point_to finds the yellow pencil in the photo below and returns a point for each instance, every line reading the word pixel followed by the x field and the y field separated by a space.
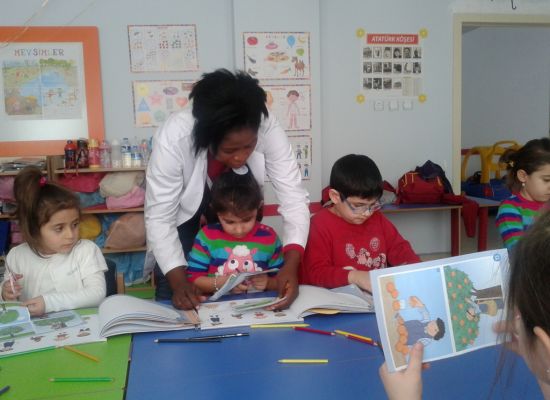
pixel 80 352
pixel 303 361
pixel 344 333
pixel 278 325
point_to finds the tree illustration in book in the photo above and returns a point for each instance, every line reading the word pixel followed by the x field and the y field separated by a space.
pixel 450 308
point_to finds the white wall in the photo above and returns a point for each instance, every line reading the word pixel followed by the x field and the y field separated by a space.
pixel 397 141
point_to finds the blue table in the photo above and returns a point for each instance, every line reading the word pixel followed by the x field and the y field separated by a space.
pixel 247 367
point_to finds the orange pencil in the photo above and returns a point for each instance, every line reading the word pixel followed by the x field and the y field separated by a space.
pixel 83 354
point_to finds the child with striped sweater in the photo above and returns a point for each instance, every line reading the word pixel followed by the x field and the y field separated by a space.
pixel 529 180
pixel 238 242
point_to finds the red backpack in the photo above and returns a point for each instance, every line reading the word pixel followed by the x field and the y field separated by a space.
pixel 411 188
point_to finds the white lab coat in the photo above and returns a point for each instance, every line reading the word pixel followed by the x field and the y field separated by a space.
pixel 176 179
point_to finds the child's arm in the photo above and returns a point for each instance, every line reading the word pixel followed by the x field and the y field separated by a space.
pixel 90 295
pixel 318 268
pixel 399 250
pixel 9 292
pixel 361 279
pixel 211 284
pixel 509 224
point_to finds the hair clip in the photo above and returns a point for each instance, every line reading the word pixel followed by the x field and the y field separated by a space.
pixel 42 181
pixel 241 170
pixel 511 164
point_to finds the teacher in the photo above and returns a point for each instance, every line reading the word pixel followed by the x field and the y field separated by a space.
pixel 229 126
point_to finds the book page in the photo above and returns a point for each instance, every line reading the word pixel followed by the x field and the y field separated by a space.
pixel 342 299
pixel 235 280
pixel 450 305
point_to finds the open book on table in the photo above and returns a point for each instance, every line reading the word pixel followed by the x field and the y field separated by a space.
pixel 311 299
pixel 450 305
pixel 19 333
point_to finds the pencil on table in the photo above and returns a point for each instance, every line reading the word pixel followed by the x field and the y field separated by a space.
pixel 303 329
pixel 79 379
pixel 80 352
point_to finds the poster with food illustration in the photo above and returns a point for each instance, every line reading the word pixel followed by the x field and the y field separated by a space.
pixel 448 305
pixel 154 101
pixel 291 104
pixel 277 55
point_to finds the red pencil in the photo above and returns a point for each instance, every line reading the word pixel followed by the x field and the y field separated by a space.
pixel 299 328
pixel 371 342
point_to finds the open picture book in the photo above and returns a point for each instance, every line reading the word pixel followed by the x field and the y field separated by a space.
pixel 19 333
pixel 450 305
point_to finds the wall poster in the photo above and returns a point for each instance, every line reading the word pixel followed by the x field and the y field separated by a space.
pixel 154 101
pixel 291 104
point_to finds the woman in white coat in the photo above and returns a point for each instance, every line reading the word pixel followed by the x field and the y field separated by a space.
pixel 229 127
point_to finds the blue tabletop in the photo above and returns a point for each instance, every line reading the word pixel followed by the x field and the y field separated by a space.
pixel 247 367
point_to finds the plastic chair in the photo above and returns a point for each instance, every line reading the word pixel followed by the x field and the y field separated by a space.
pixel 489 164
pixel 114 280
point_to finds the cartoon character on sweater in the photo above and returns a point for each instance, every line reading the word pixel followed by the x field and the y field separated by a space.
pixel 239 260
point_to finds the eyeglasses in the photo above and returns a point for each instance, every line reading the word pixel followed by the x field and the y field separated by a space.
pixel 370 208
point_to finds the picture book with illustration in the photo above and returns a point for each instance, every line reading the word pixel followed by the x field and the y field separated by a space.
pixel 236 279
pixel 450 305
pixel 19 333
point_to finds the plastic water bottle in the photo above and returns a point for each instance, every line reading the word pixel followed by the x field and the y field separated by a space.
pixel 82 153
pixel 105 154
pixel 70 155
pixel 125 147
pixel 116 154
pixel 144 147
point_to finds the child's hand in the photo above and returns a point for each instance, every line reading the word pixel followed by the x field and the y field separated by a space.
pixel 7 291
pixel 259 282
pixel 406 384
pixel 361 279
pixel 240 288
pixel 36 306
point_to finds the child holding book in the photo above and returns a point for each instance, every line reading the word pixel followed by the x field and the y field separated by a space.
pixel 53 270
pixel 352 237
pixel 528 321
pixel 529 179
pixel 238 242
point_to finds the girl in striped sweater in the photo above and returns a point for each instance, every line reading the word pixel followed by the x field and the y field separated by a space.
pixel 529 180
pixel 238 242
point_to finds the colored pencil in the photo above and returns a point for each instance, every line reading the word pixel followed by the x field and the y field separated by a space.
pixel 278 325
pixel 224 336
pixel 91 379
pixel 300 328
pixel 4 389
pixel 303 361
pixel 80 352
pixel 188 340
pixel 371 342
pixel 344 333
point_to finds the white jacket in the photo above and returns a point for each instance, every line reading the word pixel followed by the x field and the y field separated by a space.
pixel 176 179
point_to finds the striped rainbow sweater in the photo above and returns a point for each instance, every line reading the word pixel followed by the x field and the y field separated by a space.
pixel 212 248
pixel 514 215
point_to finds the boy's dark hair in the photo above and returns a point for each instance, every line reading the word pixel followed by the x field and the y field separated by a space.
pixel 37 200
pixel 441 326
pixel 531 157
pixel 224 102
pixel 235 193
pixel 356 175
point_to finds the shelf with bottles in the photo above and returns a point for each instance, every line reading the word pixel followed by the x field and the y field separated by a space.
pixel 57 167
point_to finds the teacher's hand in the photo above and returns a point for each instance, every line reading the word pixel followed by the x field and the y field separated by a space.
pixel 287 280
pixel 185 295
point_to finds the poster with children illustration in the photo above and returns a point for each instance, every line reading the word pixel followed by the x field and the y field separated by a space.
pixel 391 64
pixel 19 333
pixel 154 101
pixel 449 305
pixel 277 55
pixel 291 104
pixel 301 145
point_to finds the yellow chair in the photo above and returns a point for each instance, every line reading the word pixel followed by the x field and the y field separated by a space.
pixel 489 156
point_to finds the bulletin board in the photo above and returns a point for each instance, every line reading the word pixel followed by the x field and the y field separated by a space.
pixel 50 85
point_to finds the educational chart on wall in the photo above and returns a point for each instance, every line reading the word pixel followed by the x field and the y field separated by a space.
pixel 391 64
pixel 291 104
pixel 277 55
pixel 154 101
pixel 42 81
pixel 301 145
pixel 449 305
pixel 163 48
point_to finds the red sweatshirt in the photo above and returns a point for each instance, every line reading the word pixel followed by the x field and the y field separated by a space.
pixel 334 244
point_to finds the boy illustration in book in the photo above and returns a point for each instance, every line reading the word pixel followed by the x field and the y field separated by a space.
pixel 424 330
pixel 7 346
pixel 238 242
